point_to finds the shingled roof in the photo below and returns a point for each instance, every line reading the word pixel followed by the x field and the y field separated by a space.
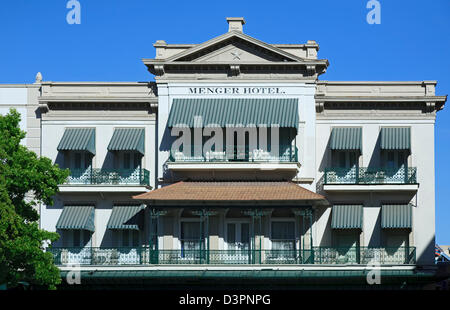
pixel 192 191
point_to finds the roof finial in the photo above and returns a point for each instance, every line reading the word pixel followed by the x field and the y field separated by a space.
pixel 38 78
pixel 235 23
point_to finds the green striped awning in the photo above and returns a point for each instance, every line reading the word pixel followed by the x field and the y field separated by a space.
pixel 128 139
pixel 395 138
pixel 78 139
pixel 347 217
pixel 77 217
pixel 126 217
pixel 346 138
pixel 396 216
pixel 232 112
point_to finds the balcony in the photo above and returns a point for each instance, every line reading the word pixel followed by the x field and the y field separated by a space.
pixel 314 256
pixel 108 178
pixel 239 157
pixel 371 179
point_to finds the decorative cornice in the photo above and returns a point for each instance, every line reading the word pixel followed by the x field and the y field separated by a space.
pixel 235 70
pixel 319 106
pixel 306 62
pixel 94 99
pixel 227 36
pixel 311 69
pixel 325 82
pixel 43 107
pixel 159 66
pixel 323 98
pixel 159 69
pixel 395 109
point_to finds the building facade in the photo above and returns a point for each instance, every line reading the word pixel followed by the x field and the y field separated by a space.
pixel 238 163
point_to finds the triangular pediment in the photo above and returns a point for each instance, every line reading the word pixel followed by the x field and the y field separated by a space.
pixel 237 52
pixel 234 47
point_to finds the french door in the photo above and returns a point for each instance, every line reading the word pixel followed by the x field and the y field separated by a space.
pixel 238 236
pixel 348 247
pixel 396 163
pixel 191 240
pixel 347 162
pixel 237 242
pixel 283 243
pixel 130 166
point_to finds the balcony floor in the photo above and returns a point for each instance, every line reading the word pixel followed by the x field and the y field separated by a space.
pixel 371 187
pixel 189 166
pixel 104 188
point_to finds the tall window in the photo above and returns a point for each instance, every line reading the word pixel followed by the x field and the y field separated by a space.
pixel 347 162
pixel 77 160
pixel 135 238
pixel 81 160
pixel 396 159
pixel 347 159
pixel 130 160
pixel 126 161
pixel 348 243
pixel 137 160
pixel 190 235
pixel 127 238
pixel 396 164
pixel 283 235
pixel 79 238
pixel 238 236
pixel 154 233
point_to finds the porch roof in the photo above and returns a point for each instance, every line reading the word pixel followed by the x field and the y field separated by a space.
pixel 244 191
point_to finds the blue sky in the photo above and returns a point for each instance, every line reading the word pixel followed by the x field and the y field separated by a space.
pixel 411 43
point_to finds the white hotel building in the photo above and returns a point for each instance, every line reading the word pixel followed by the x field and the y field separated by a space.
pixel 238 166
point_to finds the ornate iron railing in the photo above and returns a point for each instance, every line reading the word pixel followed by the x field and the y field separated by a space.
pixel 109 176
pixel 364 175
pixel 316 255
pixel 365 255
pixel 240 153
pixel 98 256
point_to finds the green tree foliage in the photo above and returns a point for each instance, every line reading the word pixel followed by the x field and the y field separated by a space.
pixel 25 182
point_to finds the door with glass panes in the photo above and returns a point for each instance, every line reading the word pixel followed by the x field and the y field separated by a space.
pixel 77 238
pixel 348 246
pixel 347 164
pixel 238 236
pixel 237 241
pixel 191 240
pixel 80 167
pixel 396 163
pixel 78 243
pixel 127 247
pixel 129 165
pixel 283 240
pixel 397 245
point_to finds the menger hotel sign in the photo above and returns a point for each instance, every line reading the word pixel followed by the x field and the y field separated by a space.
pixel 235 90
